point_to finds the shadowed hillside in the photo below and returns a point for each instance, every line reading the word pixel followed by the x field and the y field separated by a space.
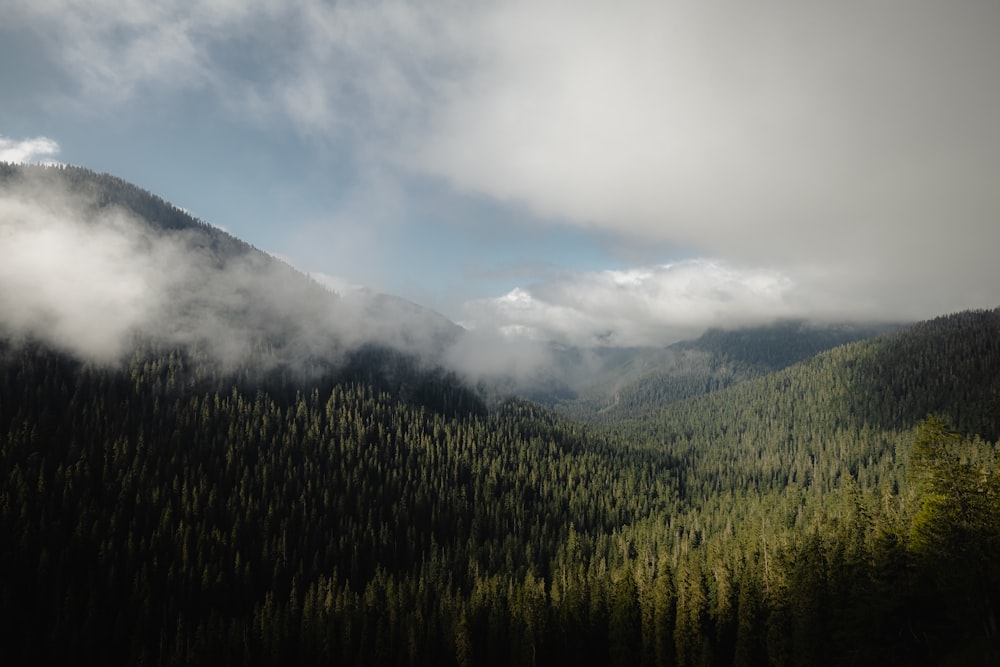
pixel 635 382
pixel 162 505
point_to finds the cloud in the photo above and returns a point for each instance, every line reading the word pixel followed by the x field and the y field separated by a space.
pixel 720 126
pixel 90 278
pixel 116 51
pixel 82 287
pixel 335 284
pixel 497 357
pixel 850 147
pixel 332 69
pixel 853 146
pixel 655 305
pixel 33 150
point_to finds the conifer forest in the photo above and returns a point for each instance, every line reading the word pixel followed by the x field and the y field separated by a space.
pixel 164 507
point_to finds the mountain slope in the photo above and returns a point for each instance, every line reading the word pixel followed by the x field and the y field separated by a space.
pixel 150 519
pixel 121 264
pixel 842 413
pixel 99 262
pixel 648 379
pixel 313 501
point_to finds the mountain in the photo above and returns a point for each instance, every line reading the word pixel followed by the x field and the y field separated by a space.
pixel 634 381
pixel 839 414
pixel 124 269
pixel 153 273
pixel 401 324
pixel 807 515
pixel 314 498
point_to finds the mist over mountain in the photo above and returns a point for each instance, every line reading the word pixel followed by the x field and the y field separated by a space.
pixel 807 516
pixel 93 264
pixel 209 457
pixel 96 265
pixel 634 381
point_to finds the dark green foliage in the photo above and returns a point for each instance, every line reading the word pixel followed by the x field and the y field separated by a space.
pixel 647 379
pixel 174 510
pixel 160 517
pixel 165 512
pixel 947 366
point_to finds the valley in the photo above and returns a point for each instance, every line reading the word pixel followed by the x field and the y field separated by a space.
pixel 263 471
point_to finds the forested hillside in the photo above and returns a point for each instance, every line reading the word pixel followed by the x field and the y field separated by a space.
pixel 269 489
pixel 157 514
pixel 648 379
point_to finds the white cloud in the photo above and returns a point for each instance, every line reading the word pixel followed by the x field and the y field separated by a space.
pixel 852 146
pixel 81 286
pixel 654 305
pixel 33 150
pixel 336 284
pixel 333 69
pixel 723 126
pixel 88 278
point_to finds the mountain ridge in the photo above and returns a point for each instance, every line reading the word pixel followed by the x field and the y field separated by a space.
pixel 717 359
pixel 202 284
pixel 206 287
pixel 171 509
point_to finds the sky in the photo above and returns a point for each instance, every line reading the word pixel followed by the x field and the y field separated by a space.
pixel 593 173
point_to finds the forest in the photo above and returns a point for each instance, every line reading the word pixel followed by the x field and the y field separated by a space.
pixel 169 509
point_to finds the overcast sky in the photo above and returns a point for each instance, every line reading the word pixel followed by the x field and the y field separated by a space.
pixel 626 172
